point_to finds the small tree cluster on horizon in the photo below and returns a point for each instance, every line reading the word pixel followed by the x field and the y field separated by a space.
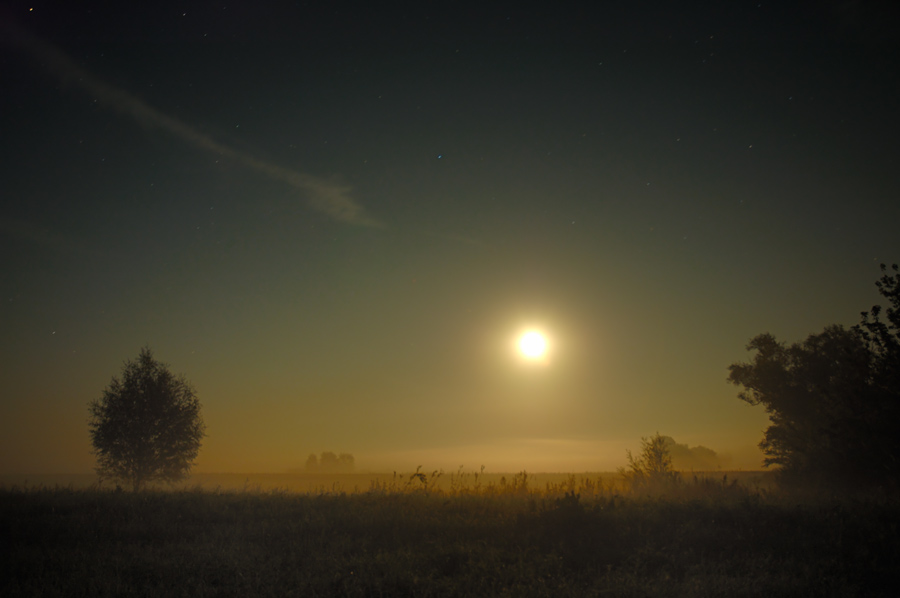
pixel 697 458
pixel 329 462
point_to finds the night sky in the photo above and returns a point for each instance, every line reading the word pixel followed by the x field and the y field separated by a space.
pixel 337 218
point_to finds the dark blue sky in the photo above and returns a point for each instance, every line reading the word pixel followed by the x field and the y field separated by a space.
pixel 336 219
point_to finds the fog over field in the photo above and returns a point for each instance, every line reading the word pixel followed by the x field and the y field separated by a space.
pixel 434 236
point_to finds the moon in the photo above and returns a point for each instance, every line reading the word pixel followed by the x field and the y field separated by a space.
pixel 533 345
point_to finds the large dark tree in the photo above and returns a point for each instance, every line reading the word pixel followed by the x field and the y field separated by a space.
pixel 883 341
pixel 147 426
pixel 883 338
pixel 832 401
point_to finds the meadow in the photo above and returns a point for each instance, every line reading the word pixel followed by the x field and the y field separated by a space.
pixel 455 535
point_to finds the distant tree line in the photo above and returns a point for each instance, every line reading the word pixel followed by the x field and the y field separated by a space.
pixel 698 458
pixel 329 462
pixel 833 400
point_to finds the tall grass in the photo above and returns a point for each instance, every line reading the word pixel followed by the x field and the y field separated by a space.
pixel 459 534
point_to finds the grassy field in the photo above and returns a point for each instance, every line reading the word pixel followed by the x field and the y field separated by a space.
pixel 360 482
pixel 411 537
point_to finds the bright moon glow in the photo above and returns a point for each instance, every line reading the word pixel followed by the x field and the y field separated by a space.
pixel 532 345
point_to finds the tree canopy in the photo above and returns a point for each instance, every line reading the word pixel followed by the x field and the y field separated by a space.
pixel 652 470
pixel 146 426
pixel 833 400
pixel 330 462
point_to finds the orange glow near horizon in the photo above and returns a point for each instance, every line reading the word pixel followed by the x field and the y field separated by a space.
pixel 391 265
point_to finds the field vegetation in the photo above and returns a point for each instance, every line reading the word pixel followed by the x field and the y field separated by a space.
pixel 461 534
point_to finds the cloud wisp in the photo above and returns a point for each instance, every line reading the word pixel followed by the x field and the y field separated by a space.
pixel 324 196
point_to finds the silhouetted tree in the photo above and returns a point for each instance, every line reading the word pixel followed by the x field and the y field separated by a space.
pixel 883 338
pixel 312 463
pixel 346 462
pixel 331 463
pixel 832 401
pixel 147 426
pixel 696 457
pixel 652 470
pixel 883 419
pixel 328 461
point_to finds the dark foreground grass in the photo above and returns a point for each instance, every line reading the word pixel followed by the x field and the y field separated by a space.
pixel 64 542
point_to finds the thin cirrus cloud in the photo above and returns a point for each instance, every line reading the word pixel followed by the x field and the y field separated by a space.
pixel 322 195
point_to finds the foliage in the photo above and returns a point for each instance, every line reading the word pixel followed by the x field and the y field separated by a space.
pixel 652 471
pixel 832 401
pixel 698 457
pixel 312 462
pixel 329 462
pixel 883 338
pixel 146 426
